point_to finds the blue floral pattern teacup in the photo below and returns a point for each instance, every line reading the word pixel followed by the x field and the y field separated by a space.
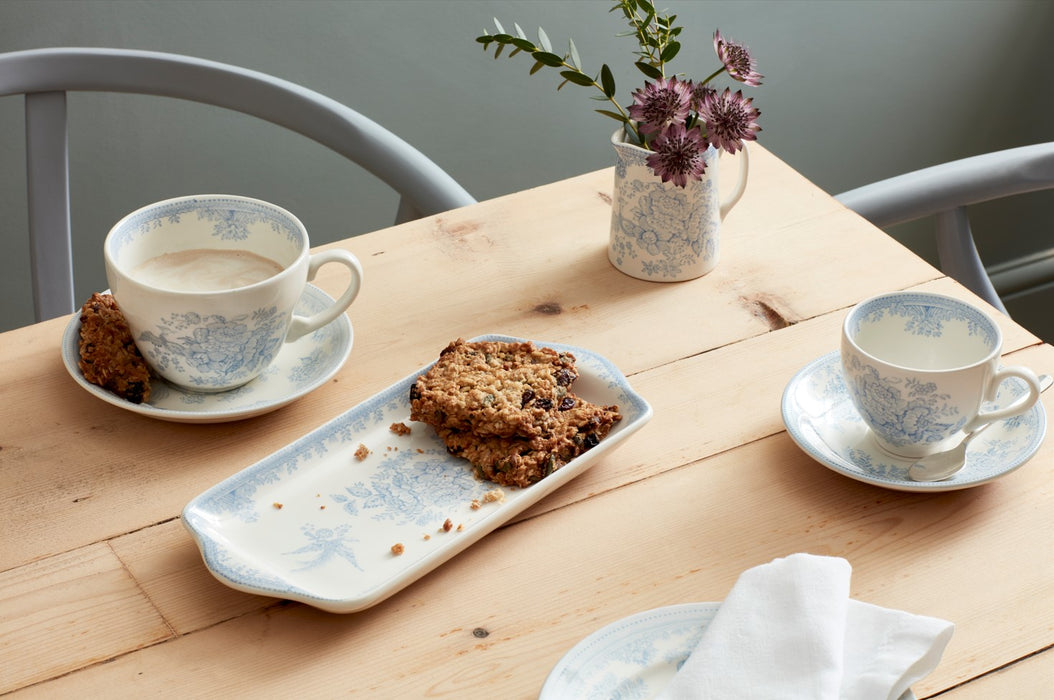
pixel 217 339
pixel 919 368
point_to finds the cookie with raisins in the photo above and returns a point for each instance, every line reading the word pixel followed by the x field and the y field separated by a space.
pixel 494 388
pixel 521 461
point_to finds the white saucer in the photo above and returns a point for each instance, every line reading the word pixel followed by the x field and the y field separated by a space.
pixel 820 417
pixel 635 657
pixel 301 367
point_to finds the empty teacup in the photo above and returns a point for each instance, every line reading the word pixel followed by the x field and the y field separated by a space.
pixel 919 368
pixel 208 284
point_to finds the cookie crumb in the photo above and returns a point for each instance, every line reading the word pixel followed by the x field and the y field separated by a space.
pixel 277 505
pixel 399 428
pixel 362 452
pixel 448 525
pixel 398 548
pixel 494 496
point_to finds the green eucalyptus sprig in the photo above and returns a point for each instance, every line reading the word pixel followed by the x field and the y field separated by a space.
pixel 656 35
pixel 676 118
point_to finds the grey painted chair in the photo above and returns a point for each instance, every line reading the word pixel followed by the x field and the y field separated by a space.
pixel 44 76
pixel 945 191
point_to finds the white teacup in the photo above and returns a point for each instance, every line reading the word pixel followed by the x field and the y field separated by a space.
pixel 919 367
pixel 208 284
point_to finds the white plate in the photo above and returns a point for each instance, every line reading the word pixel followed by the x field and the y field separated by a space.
pixel 820 417
pixel 312 523
pixel 635 657
pixel 301 367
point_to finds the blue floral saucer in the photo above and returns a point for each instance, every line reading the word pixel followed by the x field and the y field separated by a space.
pixel 821 419
pixel 301 367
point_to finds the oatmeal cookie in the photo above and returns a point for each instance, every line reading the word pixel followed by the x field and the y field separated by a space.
pixel 108 355
pixel 494 388
pixel 520 461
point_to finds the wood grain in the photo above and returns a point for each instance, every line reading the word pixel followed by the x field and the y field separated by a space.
pixel 101 588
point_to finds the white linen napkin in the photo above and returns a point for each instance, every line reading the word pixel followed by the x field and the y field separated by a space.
pixel 788 629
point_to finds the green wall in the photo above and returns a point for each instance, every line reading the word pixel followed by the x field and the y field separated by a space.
pixel 854 91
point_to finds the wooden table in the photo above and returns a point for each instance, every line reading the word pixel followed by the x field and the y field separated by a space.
pixel 103 592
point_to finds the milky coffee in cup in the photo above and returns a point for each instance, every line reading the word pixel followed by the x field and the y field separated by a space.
pixel 205 270
pixel 208 284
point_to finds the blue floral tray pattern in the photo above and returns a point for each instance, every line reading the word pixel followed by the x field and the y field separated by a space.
pixel 313 523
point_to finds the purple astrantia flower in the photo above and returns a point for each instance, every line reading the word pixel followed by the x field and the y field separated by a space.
pixel 730 119
pixel 737 60
pixel 699 93
pixel 660 104
pixel 678 155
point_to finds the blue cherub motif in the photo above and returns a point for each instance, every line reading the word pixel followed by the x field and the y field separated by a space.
pixel 326 543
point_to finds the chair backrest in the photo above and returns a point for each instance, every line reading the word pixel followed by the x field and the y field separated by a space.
pixel 944 191
pixel 44 76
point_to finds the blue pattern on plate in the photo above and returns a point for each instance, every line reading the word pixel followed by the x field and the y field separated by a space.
pixel 631 658
pixel 821 419
pixel 312 522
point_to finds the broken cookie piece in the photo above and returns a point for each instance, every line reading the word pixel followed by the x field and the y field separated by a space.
pixel 493 388
pixel 108 356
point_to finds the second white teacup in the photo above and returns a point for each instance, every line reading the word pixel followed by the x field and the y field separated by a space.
pixel 208 284
pixel 919 367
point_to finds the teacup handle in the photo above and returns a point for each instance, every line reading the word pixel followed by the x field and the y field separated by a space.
pixel 302 325
pixel 741 182
pixel 1016 408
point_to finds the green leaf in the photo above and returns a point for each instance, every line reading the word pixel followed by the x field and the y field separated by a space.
pixel 648 70
pixel 543 40
pixel 523 45
pixel 562 83
pixel 614 115
pixel 576 61
pixel 669 52
pixel 607 80
pixel 549 59
pixel 537 67
pixel 577 78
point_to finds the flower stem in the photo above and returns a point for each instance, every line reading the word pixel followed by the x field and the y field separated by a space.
pixel 713 75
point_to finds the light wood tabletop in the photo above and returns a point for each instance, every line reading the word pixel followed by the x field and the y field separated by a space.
pixel 103 592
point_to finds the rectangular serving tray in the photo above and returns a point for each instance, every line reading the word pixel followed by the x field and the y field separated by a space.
pixel 313 523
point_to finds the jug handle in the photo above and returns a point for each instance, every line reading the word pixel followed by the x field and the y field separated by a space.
pixel 741 182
